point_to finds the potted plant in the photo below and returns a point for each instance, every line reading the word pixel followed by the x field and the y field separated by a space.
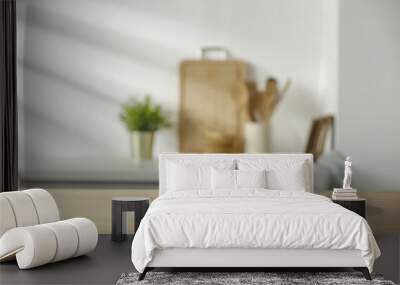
pixel 143 119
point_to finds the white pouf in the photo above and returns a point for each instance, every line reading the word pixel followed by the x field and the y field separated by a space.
pixel 31 232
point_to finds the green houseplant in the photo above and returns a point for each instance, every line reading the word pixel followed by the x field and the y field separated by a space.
pixel 143 119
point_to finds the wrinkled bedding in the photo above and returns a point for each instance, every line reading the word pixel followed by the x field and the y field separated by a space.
pixel 251 218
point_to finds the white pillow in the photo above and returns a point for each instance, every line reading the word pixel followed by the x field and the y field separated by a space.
pixel 223 179
pixel 226 179
pixel 293 179
pixel 281 174
pixel 251 178
pixel 188 177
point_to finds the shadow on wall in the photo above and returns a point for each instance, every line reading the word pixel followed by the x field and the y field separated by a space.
pixel 67 93
pixel 84 58
pixel 115 40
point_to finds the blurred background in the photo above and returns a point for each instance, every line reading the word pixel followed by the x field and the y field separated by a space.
pixel 105 86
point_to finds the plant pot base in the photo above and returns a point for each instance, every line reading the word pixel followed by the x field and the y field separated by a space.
pixel 142 145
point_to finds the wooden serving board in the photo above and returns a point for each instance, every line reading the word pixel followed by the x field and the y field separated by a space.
pixel 212 105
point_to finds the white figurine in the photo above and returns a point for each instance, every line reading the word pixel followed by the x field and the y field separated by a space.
pixel 347 174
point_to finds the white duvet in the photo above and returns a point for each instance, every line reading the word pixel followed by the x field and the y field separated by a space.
pixel 250 219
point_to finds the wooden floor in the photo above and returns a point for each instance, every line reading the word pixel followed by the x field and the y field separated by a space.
pixel 111 259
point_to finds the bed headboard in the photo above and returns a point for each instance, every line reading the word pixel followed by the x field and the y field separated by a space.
pixel 165 157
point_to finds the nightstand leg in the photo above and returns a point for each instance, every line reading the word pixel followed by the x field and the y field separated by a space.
pixel 116 234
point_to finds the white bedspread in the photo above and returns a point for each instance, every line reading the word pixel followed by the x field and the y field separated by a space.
pixel 250 219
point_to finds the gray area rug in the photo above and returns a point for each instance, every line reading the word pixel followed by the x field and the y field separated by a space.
pixel 225 278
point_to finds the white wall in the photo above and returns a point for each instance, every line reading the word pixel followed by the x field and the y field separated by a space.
pixel 83 58
pixel 369 91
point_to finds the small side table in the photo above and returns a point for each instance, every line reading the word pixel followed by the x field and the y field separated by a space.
pixel 139 205
pixel 357 206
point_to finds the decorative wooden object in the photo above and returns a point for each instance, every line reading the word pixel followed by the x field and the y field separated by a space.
pixel 217 142
pixel 263 103
pixel 260 106
pixel 214 106
pixel 318 134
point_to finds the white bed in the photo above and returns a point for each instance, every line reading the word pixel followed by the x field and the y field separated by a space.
pixel 205 226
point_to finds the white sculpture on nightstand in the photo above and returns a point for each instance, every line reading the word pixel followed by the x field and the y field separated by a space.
pixel 347 174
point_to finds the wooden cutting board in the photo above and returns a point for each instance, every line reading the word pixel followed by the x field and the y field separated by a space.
pixel 212 105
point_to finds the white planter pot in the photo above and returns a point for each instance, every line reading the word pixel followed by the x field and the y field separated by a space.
pixel 142 145
pixel 257 137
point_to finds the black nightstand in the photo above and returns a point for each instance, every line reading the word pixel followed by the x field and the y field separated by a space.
pixel 357 206
pixel 139 205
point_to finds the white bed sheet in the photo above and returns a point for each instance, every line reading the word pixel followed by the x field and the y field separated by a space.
pixel 252 218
